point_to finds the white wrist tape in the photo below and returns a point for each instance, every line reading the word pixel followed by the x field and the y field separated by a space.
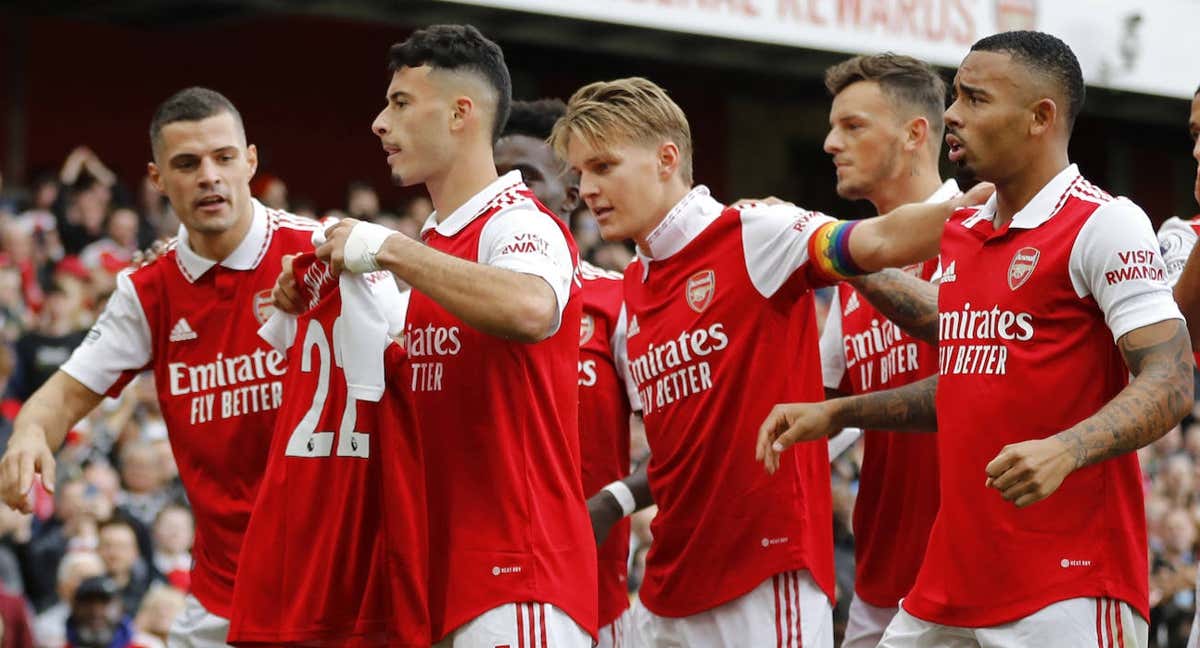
pixel 362 245
pixel 624 497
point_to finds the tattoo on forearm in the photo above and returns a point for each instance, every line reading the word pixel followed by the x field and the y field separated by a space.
pixel 908 408
pixel 909 302
pixel 1154 401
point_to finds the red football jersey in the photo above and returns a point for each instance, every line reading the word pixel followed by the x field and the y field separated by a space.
pixel 604 421
pixel 1028 318
pixel 862 352
pixel 320 566
pixel 721 328
pixel 499 422
pixel 898 491
pixel 194 322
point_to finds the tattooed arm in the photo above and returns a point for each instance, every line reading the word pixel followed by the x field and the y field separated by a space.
pixel 909 408
pixel 1160 358
pixel 909 302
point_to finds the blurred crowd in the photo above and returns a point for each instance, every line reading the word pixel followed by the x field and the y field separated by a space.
pixel 104 559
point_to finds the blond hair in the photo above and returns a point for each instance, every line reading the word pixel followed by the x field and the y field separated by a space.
pixel 633 109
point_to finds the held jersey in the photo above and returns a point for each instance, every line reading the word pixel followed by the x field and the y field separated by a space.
pixel 604 412
pixel 721 328
pixel 194 323
pixel 500 421
pixel 322 562
pixel 1028 316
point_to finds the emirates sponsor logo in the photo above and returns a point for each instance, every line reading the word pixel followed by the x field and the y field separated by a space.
pixel 984 324
pixel 1022 265
pixel 432 341
pixel 263 306
pixel 674 370
pixel 587 328
pixel 225 372
pixel 701 287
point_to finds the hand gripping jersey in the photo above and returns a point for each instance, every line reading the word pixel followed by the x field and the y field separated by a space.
pixel 194 322
pixel 499 422
pixel 604 411
pixel 335 549
pixel 861 352
pixel 721 328
pixel 1028 318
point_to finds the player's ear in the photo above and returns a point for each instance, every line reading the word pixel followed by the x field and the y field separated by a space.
pixel 668 159
pixel 916 134
pixel 571 202
pixel 252 159
pixel 155 176
pixel 1043 116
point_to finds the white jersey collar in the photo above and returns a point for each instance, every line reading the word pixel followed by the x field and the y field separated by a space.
pixel 244 257
pixel 471 209
pixel 690 216
pixel 1044 204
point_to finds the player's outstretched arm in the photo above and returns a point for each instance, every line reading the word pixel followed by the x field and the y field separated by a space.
pixel 497 301
pixel 908 234
pixel 40 428
pixel 619 500
pixel 906 300
pixel 908 408
pixel 1187 295
pixel 1160 394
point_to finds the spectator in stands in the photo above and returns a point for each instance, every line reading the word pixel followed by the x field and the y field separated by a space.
pixel 270 191
pixel 174 532
pixel 42 350
pixel 50 627
pixel 113 252
pixel 144 494
pixel 362 202
pixel 118 549
pixel 73 527
pixel 16 530
pixel 98 619
pixel 159 608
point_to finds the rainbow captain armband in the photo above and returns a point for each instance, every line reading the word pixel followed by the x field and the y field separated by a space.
pixel 829 252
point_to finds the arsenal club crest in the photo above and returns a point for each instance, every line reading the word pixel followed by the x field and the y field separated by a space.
pixel 1023 263
pixel 701 287
pixel 587 326
pixel 263 306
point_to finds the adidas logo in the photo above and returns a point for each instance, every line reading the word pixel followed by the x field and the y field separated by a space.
pixel 851 304
pixel 948 275
pixel 633 327
pixel 182 331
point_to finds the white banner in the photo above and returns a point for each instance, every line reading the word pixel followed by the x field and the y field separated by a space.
pixel 1142 46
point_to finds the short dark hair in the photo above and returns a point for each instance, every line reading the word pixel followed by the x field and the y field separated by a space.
pixel 190 104
pixel 458 47
pixel 1043 54
pixel 534 118
pixel 903 78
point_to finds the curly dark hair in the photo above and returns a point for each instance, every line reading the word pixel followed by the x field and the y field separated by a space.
pixel 1046 55
pixel 534 118
pixel 458 47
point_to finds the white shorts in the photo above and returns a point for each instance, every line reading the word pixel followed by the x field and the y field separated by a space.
pixel 619 633
pixel 866 624
pixel 1074 623
pixel 787 610
pixel 1194 637
pixel 196 627
pixel 519 625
